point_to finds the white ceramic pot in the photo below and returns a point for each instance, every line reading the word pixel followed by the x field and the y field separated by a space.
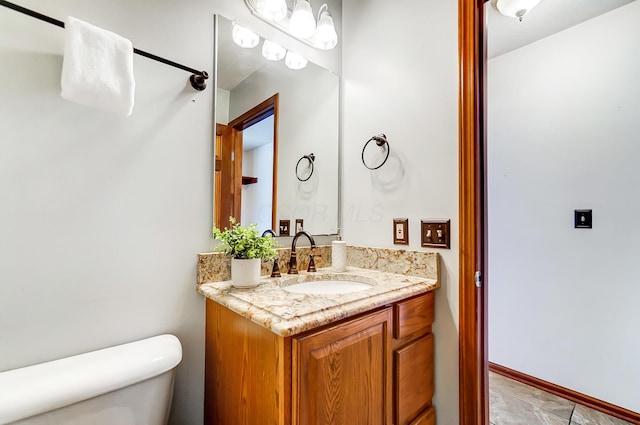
pixel 245 273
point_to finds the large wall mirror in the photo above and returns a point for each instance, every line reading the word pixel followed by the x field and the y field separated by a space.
pixel 277 141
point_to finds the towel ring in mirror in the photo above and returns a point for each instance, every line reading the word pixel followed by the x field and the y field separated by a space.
pixel 381 140
pixel 311 157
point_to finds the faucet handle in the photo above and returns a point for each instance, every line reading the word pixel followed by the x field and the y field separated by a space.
pixel 312 263
pixel 275 271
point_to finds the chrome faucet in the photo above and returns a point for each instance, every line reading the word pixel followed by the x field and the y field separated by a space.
pixel 293 264
pixel 275 271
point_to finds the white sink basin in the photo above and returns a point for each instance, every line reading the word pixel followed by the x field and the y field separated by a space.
pixel 328 287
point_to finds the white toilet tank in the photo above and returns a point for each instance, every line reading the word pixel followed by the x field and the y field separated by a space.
pixel 129 384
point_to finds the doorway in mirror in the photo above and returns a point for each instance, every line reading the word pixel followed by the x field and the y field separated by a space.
pixel 246 172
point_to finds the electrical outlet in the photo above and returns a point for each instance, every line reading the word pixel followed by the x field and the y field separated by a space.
pixel 401 231
pixel 284 227
pixel 435 233
pixel 299 225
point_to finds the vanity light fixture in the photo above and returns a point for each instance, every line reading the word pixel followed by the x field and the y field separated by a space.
pixel 272 10
pixel 326 37
pixel 295 61
pixel 299 23
pixel 516 8
pixel 244 37
pixel 273 51
pixel 302 22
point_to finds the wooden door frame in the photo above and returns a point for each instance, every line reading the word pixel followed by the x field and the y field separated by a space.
pixel 227 137
pixel 252 116
pixel 473 378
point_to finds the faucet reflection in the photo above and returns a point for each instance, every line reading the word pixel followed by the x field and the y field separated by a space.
pixel 275 271
pixel 293 264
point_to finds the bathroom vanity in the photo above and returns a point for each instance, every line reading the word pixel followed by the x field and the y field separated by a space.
pixel 279 357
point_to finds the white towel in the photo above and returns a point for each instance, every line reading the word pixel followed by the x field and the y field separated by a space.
pixel 97 69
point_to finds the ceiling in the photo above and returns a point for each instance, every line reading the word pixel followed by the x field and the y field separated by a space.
pixel 549 17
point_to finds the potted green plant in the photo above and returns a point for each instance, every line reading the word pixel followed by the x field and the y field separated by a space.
pixel 247 249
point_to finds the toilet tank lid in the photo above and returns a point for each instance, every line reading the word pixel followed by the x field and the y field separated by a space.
pixel 43 387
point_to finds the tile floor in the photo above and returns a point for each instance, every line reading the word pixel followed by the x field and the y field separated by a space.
pixel 514 403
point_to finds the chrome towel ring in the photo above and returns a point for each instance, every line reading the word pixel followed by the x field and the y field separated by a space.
pixel 381 140
pixel 311 158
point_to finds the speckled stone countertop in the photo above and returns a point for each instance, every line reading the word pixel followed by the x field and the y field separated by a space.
pixel 287 313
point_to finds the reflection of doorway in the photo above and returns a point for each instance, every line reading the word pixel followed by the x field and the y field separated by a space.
pixel 260 168
pixel 257 174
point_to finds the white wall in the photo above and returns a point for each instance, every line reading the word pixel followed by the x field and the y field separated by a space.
pixel 562 135
pixel 308 118
pixel 102 216
pixel 222 106
pixel 400 78
pixel 257 198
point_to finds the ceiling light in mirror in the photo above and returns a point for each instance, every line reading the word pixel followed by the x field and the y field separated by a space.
pixel 244 37
pixel 295 61
pixel 302 22
pixel 272 51
pixel 272 10
pixel 516 8
pixel 326 37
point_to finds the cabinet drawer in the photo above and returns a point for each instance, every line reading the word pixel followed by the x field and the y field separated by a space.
pixel 413 379
pixel 413 315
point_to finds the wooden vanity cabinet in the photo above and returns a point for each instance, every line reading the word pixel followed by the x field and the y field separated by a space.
pixel 371 369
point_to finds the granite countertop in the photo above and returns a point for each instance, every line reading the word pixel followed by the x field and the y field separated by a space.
pixel 287 313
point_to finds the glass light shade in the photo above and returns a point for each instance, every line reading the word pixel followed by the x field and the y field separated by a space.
pixel 326 37
pixel 302 22
pixel 516 8
pixel 244 37
pixel 273 10
pixel 295 61
pixel 272 51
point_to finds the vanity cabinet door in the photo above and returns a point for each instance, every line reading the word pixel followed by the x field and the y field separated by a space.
pixel 340 374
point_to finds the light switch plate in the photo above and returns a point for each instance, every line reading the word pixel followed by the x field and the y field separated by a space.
pixel 582 219
pixel 401 231
pixel 299 225
pixel 284 227
pixel 435 233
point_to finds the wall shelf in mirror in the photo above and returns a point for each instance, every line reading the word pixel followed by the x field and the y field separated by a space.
pixel 249 180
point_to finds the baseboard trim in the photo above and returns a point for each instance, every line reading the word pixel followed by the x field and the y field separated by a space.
pixel 585 400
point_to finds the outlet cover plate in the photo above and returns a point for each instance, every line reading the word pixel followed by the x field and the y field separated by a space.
pixel 299 225
pixel 435 233
pixel 401 231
